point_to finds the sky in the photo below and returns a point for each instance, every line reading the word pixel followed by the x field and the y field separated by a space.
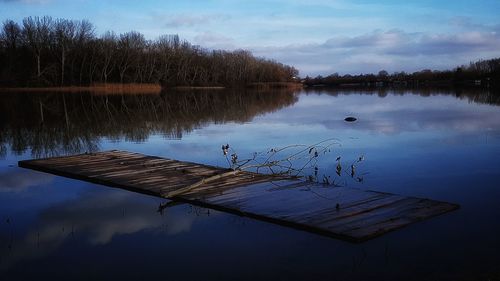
pixel 318 37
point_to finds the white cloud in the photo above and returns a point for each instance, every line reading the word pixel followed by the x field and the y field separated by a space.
pixel 192 20
pixel 214 40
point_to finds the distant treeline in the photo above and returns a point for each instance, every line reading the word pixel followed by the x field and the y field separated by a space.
pixel 42 51
pixel 484 73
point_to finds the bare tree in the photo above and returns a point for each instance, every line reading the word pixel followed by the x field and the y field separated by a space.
pixel 85 34
pixel 65 35
pixel 37 33
pixel 65 52
pixel 130 46
pixel 11 34
pixel 108 50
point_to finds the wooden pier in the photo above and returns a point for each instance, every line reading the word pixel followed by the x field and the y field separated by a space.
pixel 346 213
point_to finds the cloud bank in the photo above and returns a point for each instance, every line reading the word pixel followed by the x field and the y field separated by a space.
pixel 393 50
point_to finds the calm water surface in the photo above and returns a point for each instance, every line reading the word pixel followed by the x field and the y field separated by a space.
pixel 443 145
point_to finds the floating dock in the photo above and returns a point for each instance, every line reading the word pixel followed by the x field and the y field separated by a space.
pixel 346 213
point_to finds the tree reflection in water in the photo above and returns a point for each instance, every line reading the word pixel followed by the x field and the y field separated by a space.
pixel 50 124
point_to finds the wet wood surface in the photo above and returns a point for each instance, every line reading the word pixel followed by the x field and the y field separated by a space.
pixel 346 213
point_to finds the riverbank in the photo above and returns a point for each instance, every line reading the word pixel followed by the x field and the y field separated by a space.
pixel 275 85
pixel 150 88
pixel 110 88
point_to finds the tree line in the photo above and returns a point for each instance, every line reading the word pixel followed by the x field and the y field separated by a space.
pixel 484 73
pixel 42 51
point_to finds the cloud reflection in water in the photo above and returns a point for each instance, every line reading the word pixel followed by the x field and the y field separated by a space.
pixel 96 217
pixel 17 180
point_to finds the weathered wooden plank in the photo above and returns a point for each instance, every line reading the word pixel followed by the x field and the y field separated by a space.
pixel 362 206
pixel 297 201
pixel 372 228
pixel 146 166
pixel 374 216
pixel 346 213
pixel 93 159
pixel 233 192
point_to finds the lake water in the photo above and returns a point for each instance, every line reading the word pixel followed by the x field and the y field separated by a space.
pixel 437 144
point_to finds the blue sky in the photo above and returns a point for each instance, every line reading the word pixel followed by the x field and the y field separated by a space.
pixel 316 36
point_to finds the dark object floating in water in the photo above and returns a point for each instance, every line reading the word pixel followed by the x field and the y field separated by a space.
pixel 355 215
pixel 350 119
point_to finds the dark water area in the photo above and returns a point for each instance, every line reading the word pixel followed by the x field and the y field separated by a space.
pixel 437 144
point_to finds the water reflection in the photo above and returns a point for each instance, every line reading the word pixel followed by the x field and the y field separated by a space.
pixel 394 112
pixel 48 124
pixel 94 218
pixel 476 95
pixel 54 123
pixel 437 144
pixel 19 180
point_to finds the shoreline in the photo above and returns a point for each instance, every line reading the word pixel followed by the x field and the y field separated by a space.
pixel 146 88
pixel 109 88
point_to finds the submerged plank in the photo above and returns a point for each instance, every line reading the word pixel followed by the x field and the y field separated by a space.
pixel 346 213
